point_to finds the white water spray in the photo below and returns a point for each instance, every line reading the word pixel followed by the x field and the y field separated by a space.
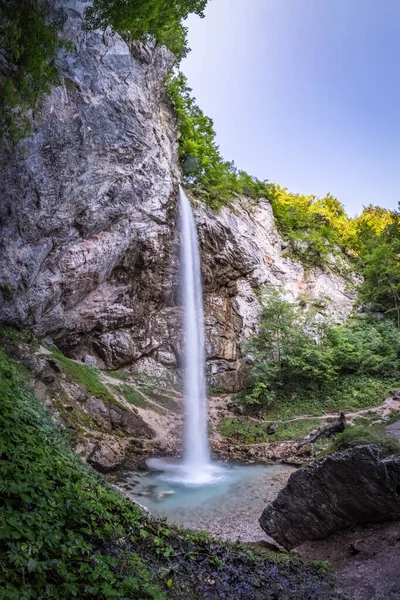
pixel 196 457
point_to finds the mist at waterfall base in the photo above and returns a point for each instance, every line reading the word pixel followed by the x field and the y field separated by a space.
pixel 228 506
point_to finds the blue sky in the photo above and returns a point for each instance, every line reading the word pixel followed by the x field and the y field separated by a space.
pixel 305 93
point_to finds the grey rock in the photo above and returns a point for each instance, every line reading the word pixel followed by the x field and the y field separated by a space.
pixel 393 430
pixel 117 418
pixel 272 428
pixel 129 422
pixel 107 455
pixel 90 360
pixel 349 488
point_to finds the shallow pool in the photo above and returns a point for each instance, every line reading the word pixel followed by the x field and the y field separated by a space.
pixel 227 501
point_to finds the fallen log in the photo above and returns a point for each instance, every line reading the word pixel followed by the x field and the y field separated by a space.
pixel 325 431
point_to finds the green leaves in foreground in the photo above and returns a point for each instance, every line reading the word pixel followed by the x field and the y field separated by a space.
pixel 56 514
pixel 64 533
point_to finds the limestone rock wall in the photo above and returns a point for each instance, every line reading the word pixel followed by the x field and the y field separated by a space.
pixel 242 251
pixel 88 249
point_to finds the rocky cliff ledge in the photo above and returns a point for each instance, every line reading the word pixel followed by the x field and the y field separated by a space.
pixel 87 221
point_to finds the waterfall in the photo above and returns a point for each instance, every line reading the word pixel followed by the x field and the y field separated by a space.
pixel 196 456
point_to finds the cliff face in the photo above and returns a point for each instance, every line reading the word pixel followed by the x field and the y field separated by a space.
pixel 87 221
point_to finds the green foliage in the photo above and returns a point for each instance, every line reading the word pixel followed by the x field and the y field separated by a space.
pixel 84 375
pixel 56 514
pixel 380 259
pixel 30 43
pixel 290 346
pixel 315 228
pixel 302 366
pixel 348 393
pixel 146 20
pixel 204 170
pixel 245 431
pixel 16 335
pixel 355 436
pixel 65 533
pixel 366 347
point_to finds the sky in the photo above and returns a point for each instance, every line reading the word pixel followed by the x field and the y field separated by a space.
pixel 304 93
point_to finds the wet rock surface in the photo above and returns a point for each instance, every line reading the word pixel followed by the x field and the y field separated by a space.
pixel 352 487
pixel 107 454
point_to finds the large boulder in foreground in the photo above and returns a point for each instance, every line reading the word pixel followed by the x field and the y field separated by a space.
pixel 353 487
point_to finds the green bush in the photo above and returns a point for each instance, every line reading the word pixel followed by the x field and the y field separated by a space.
pixel 356 436
pixel 30 43
pixel 146 20
pixel 56 515
pixel 303 366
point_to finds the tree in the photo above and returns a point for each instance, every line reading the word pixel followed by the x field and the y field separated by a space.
pixel 290 349
pixel 146 20
pixel 381 268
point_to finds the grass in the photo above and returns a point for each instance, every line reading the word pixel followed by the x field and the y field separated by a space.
pixel 17 335
pixel 355 436
pixel 245 431
pixel 66 533
pixel 366 419
pixel 120 374
pixel 133 396
pixel 86 376
pixel 349 394
pixel 161 399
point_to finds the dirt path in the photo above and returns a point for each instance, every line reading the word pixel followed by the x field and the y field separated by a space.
pixel 383 410
pixel 394 430
pixel 366 561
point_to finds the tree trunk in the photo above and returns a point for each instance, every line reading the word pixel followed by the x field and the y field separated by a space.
pixel 326 430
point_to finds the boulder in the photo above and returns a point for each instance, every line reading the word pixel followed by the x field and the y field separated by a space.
pixel 90 360
pixel 353 487
pixel 107 455
pixel 112 417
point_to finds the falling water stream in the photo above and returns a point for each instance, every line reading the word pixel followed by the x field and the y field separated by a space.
pixel 197 460
pixel 196 468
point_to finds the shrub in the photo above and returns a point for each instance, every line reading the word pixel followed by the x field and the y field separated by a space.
pixel 146 20
pixel 356 436
pixel 30 42
pixel 302 366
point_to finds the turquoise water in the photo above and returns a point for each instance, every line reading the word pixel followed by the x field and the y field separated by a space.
pixel 228 504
